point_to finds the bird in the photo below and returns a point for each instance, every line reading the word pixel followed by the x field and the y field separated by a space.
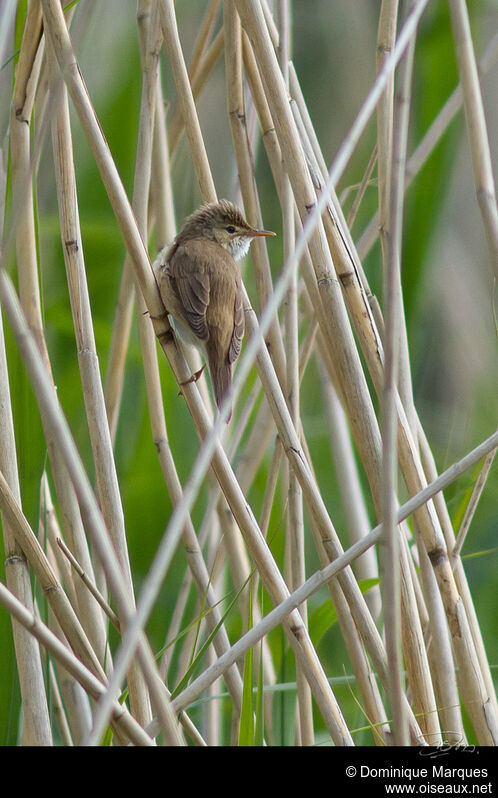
pixel 201 287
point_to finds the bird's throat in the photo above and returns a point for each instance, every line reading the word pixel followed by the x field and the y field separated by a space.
pixel 239 247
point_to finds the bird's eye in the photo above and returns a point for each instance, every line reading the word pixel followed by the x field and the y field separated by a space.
pixel 230 229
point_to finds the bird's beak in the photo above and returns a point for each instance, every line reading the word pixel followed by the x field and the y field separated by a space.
pixel 263 233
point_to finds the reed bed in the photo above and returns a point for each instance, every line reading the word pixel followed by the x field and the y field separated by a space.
pixel 298 576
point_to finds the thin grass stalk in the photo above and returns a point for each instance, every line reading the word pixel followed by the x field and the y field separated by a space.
pixel 320 578
pixel 48 532
pixel 476 125
pixel 429 142
pixel 174 627
pixel 366 180
pixel 58 709
pixel 89 584
pixel 121 719
pixel 203 38
pixel 440 655
pixel 472 505
pixel 76 702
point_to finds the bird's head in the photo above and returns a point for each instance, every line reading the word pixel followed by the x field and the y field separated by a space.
pixel 223 222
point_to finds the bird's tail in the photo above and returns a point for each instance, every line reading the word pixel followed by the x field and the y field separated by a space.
pixel 221 378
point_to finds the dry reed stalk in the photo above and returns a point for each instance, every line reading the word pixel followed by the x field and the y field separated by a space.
pixel 432 521
pixel 439 649
pixel 320 578
pixel 367 626
pixel 150 48
pixel 198 81
pixel 107 483
pixel 386 37
pixel 192 399
pixel 245 167
pixel 121 719
pixel 397 191
pixel 459 572
pixel 295 514
pixel 48 580
pixel 266 123
pixel 476 125
pixel 361 189
pixel 415 479
pixel 36 726
pixel 186 101
pixel 428 142
pixel 58 431
pixel 27 264
pixel 76 701
pixel 391 145
pixel 179 71
pixel 353 503
pixel 203 60
pixel 296 632
pixel 335 323
pixel 245 170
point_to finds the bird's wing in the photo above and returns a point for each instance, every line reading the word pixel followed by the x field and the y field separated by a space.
pixel 191 283
pixel 238 328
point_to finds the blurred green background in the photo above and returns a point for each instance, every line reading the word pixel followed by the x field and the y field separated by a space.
pixel 447 282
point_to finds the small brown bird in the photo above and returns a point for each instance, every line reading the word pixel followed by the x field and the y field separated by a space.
pixel 201 287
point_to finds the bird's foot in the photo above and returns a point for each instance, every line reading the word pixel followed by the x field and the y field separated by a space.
pixel 195 376
pixel 156 318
